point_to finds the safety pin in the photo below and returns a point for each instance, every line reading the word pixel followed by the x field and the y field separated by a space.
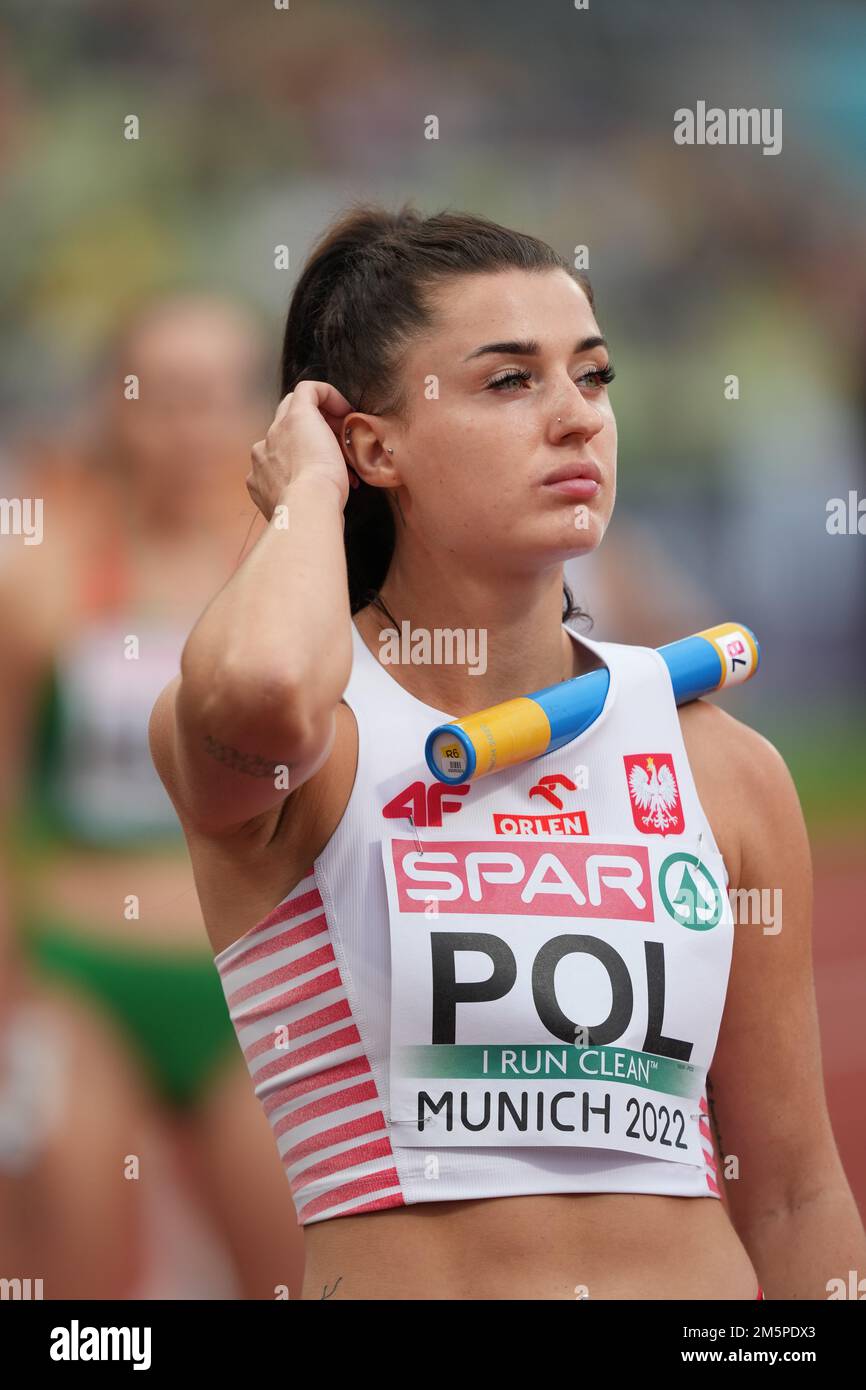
pixel 415 833
pixel 700 848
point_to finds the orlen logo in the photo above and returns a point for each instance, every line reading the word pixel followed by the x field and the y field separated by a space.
pixel 424 804
pixel 572 823
pixel 561 880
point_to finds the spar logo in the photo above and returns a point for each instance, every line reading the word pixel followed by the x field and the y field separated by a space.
pixel 550 880
pixel 424 805
pixel 570 823
pixel 689 892
pixel 654 794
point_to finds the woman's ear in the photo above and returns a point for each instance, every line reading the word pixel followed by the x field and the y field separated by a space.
pixel 362 441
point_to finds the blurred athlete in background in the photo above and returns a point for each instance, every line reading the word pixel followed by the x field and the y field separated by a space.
pixel 112 1019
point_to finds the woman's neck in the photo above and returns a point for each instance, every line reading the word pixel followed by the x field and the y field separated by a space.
pixel 458 665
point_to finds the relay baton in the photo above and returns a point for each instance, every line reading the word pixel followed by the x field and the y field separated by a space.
pixel 531 725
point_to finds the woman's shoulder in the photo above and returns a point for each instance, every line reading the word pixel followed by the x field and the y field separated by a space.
pixel 736 746
pixel 742 779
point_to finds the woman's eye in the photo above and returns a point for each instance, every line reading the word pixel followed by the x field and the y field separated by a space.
pixel 498 382
pixel 603 376
pixel 599 376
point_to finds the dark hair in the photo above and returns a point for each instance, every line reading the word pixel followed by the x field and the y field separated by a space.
pixel 360 299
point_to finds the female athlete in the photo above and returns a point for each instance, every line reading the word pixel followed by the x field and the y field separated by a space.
pixel 480 1019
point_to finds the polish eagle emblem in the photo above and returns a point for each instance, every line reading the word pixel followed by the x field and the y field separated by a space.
pixel 654 794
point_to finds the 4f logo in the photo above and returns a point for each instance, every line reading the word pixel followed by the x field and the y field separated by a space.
pixel 655 797
pixel 424 804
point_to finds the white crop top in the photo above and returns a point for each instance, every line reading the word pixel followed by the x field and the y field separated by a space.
pixel 507 987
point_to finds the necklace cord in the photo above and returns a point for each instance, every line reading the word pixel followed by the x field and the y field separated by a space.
pixel 373 597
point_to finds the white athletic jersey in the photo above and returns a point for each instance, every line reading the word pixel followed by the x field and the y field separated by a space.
pixel 507 987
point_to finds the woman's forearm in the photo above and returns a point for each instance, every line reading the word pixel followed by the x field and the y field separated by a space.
pixel 281 625
pixel 798 1252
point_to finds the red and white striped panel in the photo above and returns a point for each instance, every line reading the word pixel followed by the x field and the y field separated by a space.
pixel 306 1057
pixel 711 1172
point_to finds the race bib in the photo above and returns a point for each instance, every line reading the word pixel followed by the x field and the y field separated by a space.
pixel 554 992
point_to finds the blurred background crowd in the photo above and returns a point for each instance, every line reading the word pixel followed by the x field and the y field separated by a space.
pixel 156 256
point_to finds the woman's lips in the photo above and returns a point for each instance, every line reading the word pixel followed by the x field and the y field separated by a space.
pixel 574 487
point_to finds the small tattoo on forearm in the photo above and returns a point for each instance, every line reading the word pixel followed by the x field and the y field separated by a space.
pixel 325 1293
pixel 253 764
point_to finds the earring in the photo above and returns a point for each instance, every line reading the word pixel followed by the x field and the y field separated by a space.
pixel 390 451
pixel 559 419
pixel 349 440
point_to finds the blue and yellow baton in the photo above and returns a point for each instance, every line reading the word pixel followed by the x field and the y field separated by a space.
pixel 531 725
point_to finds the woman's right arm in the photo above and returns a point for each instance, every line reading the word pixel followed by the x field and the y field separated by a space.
pixel 252 714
